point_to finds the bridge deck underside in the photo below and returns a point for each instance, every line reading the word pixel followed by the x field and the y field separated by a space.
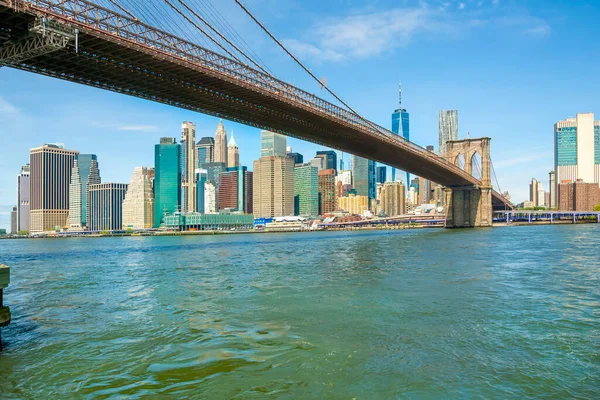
pixel 129 69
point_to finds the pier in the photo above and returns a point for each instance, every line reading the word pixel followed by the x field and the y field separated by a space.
pixel 4 311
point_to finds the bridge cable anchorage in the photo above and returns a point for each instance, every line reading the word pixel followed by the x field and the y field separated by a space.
pixel 204 32
pixel 222 23
pixel 320 82
pixel 220 35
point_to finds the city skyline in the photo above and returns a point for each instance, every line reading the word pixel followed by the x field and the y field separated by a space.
pixel 93 121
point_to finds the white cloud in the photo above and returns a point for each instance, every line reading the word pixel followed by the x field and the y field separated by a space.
pixel 540 30
pixel 138 128
pixel 461 6
pixel 6 108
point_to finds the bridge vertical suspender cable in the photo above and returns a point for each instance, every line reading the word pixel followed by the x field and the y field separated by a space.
pixel 264 28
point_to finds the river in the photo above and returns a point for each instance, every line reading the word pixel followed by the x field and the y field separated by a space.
pixel 488 313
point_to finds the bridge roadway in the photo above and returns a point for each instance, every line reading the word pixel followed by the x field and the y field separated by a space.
pixel 121 54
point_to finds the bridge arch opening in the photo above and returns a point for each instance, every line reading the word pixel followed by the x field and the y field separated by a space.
pixel 459 161
pixel 476 165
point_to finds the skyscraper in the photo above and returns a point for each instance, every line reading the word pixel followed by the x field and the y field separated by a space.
pixel 233 153
pixel 327 191
pixel 138 205
pixel 273 187
pixel 13 220
pixel 306 190
pixel 50 176
pixel 401 126
pixel 329 159
pixel 23 199
pixel 392 201
pixel 552 188
pixel 381 173
pixel 576 151
pixel 297 157
pixel 206 150
pixel 89 173
pixel 75 199
pixel 533 192
pixel 188 184
pixel 233 191
pixel 447 128
pixel 272 144
pixel 221 144
pixel 363 177
pixel 106 206
pixel 167 179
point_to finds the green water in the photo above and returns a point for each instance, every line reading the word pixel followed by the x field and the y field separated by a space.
pixel 492 313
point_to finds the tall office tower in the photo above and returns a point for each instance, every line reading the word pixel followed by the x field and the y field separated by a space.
pixel 89 173
pixel 297 157
pixel 273 187
pixel 75 199
pixel 106 206
pixel 327 191
pixel 210 198
pixel 167 179
pixel 317 162
pixel 447 129
pixel 201 179
pixel 343 182
pixel 381 174
pixel 188 173
pixel 552 188
pixel 306 190
pixel 425 191
pixel 138 206
pixel 13 220
pixel 272 144
pixel 23 199
pixel 541 195
pixel 233 190
pixel 329 159
pixel 205 151
pixel 233 153
pixel 533 192
pixel 249 187
pixel 577 150
pixel 392 200
pixel 221 144
pixel 401 127
pixel 363 176
pixel 50 176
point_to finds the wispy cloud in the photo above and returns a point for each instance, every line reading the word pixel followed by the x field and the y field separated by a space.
pixel 511 162
pixel 7 108
pixel 124 127
pixel 367 34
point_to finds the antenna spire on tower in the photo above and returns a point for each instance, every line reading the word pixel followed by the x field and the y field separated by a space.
pixel 400 95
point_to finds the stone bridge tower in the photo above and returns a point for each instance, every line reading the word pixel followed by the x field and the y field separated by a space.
pixel 469 206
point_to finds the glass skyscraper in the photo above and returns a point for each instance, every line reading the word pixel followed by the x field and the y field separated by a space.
pixel 447 129
pixel 89 172
pixel 329 159
pixel 272 144
pixel 306 190
pixel 381 174
pixel 401 127
pixel 167 179
pixel 363 177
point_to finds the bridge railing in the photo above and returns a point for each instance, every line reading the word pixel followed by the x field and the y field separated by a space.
pixel 95 19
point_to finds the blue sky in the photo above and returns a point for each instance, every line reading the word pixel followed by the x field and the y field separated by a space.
pixel 511 68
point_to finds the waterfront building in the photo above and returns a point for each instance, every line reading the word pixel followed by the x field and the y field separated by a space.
pixel 220 155
pixel 363 177
pixel 273 186
pixel 327 191
pixel 50 176
pixel 188 170
pixel 23 199
pixel 329 159
pixel 209 221
pixel 297 157
pixel 577 149
pixel 235 190
pixel 233 153
pixel 306 190
pixel 381 174
pixel 138 205
pixel 13 220
pixel 400 126
pixel 205 149
pixel 75 199
pixel 210 198
pixel 106 206
pixel 354 204
pixel 272 144
pixel 552 187
pixel 167 180
pixel 447 129
pixel 392 201
pixel 578 196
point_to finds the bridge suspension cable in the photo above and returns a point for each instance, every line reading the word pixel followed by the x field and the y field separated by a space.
pixel 289 53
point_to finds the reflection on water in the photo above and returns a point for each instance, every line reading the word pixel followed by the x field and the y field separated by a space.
pixel 507 312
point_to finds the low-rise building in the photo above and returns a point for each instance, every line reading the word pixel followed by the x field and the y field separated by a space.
pixel 209 222
pixel 578 196
pixel 354 204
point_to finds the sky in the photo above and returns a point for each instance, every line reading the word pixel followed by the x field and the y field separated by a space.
pixel 510 68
